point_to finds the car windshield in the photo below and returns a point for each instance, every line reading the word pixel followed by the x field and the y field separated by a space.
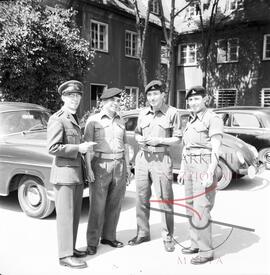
pixel 24 120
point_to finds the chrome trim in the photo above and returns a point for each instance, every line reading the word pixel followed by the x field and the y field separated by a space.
pixel 24 163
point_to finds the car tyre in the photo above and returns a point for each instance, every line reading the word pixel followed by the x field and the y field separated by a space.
pixel 33 198
pixel 264 155
pixel 224 175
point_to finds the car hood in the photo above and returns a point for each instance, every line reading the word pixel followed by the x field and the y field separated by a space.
pixel 28 138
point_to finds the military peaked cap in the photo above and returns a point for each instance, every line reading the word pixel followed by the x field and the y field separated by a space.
pixel 196 90
pixel 71 86
pixel 111 92
pixel 154 85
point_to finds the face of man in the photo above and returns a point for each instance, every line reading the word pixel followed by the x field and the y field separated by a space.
pixel 196 103
pixel 112 105
pixel 72 101
pixel 155 98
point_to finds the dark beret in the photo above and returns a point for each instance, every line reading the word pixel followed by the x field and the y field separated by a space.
pixel 196 90
pixel 111 92
pixel 71 86
pixel 154 85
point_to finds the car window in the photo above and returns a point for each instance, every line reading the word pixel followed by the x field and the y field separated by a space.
pixel 131 123
pixel 245 120
pixel 184 120
pixel 225 117
pixel 26 120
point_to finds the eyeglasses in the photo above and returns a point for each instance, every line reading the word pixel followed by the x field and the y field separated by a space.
pixel 74 95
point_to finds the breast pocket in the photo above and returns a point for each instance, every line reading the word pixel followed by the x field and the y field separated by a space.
pixel 145 127
pixel 73 137
pixel 100 130
pixel 165 129
pixel 202 131
pixel 120 131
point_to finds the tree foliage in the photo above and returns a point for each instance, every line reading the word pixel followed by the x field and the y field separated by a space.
pixel 40 47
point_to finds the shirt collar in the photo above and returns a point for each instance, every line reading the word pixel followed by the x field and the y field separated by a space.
pixel 163 109
pixel 104 113
pixel 199 115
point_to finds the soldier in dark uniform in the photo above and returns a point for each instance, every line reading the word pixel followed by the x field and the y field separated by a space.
pixel 202 140
pixel 158 127
pixel 108 171
pixel 64 142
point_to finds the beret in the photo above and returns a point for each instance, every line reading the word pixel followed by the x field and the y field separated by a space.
pixel 71 86
pixel 154 85
pixel 111 92
pixel 196 90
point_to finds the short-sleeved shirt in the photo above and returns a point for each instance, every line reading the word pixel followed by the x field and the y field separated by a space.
pixel 162 123
pixel 200 128
pixel 109 133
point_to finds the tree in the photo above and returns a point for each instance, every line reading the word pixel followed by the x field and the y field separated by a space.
pixel 40 47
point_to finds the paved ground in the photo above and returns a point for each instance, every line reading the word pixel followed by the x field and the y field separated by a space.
pixel 29 246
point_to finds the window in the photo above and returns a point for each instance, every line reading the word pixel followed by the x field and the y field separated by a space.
pixel 265 97
pixel 266 47
pixel 164 51
pixel 227 50
pixel 131 46
pixel 245 121
pixel 99 36
pixel 131 123
pixel 155 7
pixel 226 97
pixel 187 54
pixel 95 92
pixel 133 93
pixel 191 11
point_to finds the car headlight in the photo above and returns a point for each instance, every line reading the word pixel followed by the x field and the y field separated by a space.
pixel 130 152
pixel 240 157
pixel 253 150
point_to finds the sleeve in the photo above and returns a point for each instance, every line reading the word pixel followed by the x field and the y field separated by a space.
pixel 177 130
pixel 89 130
pixel 55 141
pixel 138 129
pixel 125 137
pixel 215 126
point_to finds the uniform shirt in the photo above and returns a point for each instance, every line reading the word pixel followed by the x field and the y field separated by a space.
pixel 200 128
pixel 109 133
pixel 162 123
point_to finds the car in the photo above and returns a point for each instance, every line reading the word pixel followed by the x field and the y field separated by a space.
pixel 236 157
pixel 251 124
pixel 25 164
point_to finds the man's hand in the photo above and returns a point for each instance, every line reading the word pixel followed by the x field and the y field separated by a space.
pixel 129 174
pixel 153 141
pixel 141 140
pixel 91 176
pixel 85 147
pixel 207 179
pixel 180 177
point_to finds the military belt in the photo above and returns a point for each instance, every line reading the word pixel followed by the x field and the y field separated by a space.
pixel 109 155
pixel 155 149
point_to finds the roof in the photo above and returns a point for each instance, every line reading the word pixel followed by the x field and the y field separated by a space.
pixel 16 106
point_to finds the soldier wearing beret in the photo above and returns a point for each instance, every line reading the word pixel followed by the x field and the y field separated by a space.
pixel 202 140
pixel 108 170
pixel 65 144
pixel 158 127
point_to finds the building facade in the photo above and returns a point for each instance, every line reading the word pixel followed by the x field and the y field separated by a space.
pixel 238 57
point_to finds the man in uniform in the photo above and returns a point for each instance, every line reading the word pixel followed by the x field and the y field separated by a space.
pixel 108 171
pixel 202 140
pixel 158 127
pixel 64 142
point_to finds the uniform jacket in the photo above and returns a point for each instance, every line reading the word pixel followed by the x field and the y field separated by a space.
pixel 63 139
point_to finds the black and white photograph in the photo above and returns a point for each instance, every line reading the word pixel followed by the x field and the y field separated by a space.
pixel 134 137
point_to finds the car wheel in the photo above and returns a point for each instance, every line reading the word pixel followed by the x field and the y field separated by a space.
pixel 33 198
pixel 224 175
pixel 264 155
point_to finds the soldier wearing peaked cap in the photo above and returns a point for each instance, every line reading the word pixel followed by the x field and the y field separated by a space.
pixel 158 127
pixel 108 170
pixel 67 173
pixel 202 140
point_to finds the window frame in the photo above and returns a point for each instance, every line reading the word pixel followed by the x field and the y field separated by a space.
pixel 106 49
pixel 155 9
pixel 244 127
pixel 188 53
pixel 228 50
pixel 265 37
pixel 136 43
pixel 216 94
pixel 263 96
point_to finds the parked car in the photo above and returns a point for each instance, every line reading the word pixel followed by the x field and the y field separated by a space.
pixel 236 156
pixel 24 161
pixel 252 125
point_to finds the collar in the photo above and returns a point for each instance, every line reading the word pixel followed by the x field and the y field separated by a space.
pixel 199 115
pixel 104 113
pixel 163 109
